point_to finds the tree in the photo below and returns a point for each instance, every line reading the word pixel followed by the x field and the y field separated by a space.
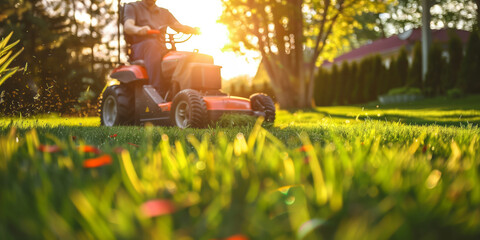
pixel 436 70
pixel 402 67
pixel 333 86
pixel 293 37
pixel 407 14
pixel 372 71
pixel 319 93
pixel 404 15
pixel 470 71
pixel 455 57
pixel 415 70
pixel 352 83
pixel 360 80
pixel 342 88
pixel 59 53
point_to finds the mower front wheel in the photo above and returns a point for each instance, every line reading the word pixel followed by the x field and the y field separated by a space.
pixel 263 103
pixel 189 110
pixel 117 106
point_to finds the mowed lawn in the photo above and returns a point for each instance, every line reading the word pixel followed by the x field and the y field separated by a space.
pixel 407 171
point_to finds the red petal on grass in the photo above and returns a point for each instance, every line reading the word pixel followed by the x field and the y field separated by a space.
pixel 74 138
pixel 135 145
pixel 89 149
pixel 237 237
pixel 49 148
pixel 424 149
pixel 159 207
pixel 305 148
pixel 97 162
pixel 113 135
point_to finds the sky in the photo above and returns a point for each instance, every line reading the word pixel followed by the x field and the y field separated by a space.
pixel 204 14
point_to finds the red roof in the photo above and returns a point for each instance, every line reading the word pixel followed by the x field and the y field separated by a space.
pixel 395 42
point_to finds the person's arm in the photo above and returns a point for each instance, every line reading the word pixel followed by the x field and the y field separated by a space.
pixel 184 28
pixel 130 28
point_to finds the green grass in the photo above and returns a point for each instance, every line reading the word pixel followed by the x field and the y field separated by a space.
pixel 334 172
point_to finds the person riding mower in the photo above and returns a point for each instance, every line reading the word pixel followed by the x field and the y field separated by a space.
pixel 186 92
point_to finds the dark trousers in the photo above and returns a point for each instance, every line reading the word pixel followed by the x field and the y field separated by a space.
pixel 151 51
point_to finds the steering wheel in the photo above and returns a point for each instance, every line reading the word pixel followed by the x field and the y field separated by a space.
pixel 173 38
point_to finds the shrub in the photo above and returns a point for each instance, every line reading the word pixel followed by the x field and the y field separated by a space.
pixel 319 92
pixel 415 70
pixel 402 68
pixel 470 71
pixel 373 75
pixel 344 84
pixel 436 70
pixel 352 83
pixel 392 73
pixel 404 90
pixel 330 86
pixel 455 93
pixel 455 53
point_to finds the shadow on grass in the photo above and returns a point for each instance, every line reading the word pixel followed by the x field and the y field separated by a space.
pixel 439 111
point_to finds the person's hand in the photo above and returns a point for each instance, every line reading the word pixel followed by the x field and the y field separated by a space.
pixel 191 30
pixel 196 31
pixel 143 30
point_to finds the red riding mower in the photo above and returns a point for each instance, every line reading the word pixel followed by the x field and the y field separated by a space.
pixel 193 100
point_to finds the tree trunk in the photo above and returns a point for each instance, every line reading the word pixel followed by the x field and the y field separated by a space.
pixel 280 79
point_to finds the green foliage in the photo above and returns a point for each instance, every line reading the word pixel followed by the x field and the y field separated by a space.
pixel 319 86
pixel 375 76
pixel 393 76
pixel 60 52
pixel 309 180
pixel 404 90
pixel 325 87
pixel 407 14
pixel 469 76
pixel 415 70
pixel 398 70
pixel 402 67
pixel 293 37
pixel 344 84
pixel 361 80
pixel 6 58
pixel 455 53
pixel 455 93
pixel 333 80
pixel 436 71
pixel 352 84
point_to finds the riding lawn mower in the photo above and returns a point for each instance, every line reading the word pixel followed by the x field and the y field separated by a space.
pixel 194 98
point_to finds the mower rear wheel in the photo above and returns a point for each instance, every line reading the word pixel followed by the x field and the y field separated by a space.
pixel 117 106
pixel 189 110
pixel 263 103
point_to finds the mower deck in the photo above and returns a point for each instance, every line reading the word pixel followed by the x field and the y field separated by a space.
pixel 159 113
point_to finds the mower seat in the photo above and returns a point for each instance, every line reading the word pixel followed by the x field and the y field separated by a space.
pixel 139 62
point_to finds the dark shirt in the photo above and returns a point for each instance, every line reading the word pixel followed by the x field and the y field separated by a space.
pixel 155 17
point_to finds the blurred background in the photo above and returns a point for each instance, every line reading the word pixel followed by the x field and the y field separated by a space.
pixel 304 53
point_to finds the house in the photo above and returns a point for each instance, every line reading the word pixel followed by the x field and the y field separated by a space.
pixel 390 47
